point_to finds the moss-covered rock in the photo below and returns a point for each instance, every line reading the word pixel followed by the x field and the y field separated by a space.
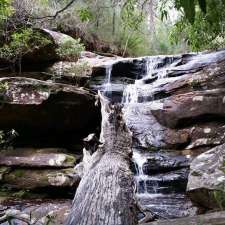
pixel 40 178
pixel 38 158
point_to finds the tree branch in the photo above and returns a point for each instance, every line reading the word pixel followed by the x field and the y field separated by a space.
pixel 57 12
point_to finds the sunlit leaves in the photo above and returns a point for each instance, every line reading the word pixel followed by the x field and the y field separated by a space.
pixel 207 31
pixel 5 9
pixel 85 14
pixel 132 17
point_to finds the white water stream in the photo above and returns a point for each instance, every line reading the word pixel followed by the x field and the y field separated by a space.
pixel 154 71
pixel 107 86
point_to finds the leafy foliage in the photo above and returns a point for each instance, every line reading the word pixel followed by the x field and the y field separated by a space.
pixel 126 26
pixel 70 50
pixel 5 9
pixel 22 42
pixel 207 30
pixel 85 14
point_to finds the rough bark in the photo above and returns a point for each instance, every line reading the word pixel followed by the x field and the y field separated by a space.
pixel 105 195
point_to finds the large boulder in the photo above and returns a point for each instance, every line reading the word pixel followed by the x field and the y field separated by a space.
pixel 45 113
pixel 47 53
pixel 206 183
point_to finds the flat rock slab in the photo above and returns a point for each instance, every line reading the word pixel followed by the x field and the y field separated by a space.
pixel 28 157
pixel 217 218
pixel 29 179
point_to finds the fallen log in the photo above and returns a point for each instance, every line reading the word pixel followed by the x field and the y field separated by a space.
pixel 105 195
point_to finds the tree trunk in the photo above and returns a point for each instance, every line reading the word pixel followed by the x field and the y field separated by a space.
pixel 105 195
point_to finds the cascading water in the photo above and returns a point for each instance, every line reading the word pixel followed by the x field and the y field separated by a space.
pixel 140 177
pixel 107 86
pixel 155 70
pixel 161 192
pixel 155 192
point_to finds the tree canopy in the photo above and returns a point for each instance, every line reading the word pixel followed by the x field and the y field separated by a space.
pixel 129 25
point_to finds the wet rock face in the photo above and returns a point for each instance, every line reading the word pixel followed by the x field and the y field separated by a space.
pixel 179 106
pixel 165 183
pixel 148 132
pixel 162 162
pixel 206 183
pixel 47 112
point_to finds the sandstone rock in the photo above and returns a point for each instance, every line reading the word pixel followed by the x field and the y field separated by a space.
pixel 50 113
pixel 184 109
pixel 120 67
pixel 210 77
pixel 216 218
pixel 206 183
pixel 51 76
pixel 206 135
pixel 37 158
pixel 36 178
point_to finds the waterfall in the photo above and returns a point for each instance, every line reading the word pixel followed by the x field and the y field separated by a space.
pixel 155 69
pixel 154 191
pixel 141 178
pixel 107 86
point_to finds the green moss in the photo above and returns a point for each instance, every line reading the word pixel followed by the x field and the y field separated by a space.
pixel 18 173
pixel 153 149
pixel 195 84
pixel 3 171
pixel 20 194
pixel 195 173
pixel 70 159
pixel 220 198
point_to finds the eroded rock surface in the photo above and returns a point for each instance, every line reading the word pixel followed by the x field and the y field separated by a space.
pixel 206 183
pixel 52 212
pixel 50 113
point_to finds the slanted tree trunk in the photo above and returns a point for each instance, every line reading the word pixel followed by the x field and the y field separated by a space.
pixel 105 195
